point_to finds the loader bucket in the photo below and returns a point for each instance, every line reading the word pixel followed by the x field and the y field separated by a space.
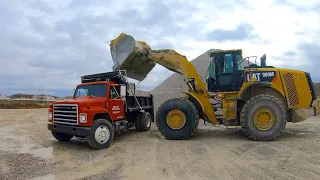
pixel 132 56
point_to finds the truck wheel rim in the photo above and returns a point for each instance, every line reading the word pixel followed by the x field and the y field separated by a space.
pixel 102 134
pixel 264 119
pixel 148 120
pixel 176 119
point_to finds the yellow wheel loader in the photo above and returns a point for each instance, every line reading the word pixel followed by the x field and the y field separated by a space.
pixel 260 99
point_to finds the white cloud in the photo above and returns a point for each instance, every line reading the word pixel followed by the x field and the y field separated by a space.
pixel 50 44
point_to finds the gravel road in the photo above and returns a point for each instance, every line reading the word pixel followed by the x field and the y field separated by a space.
pixel 28 151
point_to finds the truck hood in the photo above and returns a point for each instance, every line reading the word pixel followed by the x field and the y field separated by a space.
pixel 87 100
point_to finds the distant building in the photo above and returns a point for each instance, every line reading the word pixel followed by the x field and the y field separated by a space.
pixel 45 97
pixel 4 97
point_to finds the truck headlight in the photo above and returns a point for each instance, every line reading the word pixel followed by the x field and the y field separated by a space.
pixel 83 118
pixel 50 115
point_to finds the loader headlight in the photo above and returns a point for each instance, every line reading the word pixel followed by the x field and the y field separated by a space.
pixel 50 115
pixel 83 118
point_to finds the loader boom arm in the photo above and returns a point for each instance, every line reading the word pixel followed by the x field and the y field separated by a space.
pixel 178 63
pixel 170 59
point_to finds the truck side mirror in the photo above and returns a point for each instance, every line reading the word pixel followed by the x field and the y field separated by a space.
pixel 123 90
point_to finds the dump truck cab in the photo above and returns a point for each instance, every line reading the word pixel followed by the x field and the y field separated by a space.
pixel 102 105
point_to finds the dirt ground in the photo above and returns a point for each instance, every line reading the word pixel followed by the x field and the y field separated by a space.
pixel 28 151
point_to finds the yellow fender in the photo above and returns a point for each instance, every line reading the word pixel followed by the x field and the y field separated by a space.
pixel 204 102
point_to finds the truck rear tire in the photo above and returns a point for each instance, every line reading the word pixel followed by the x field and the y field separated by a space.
pixel 177 119
pixel 143 121
pixel 101 134
pixel 61 136
pixel 263 118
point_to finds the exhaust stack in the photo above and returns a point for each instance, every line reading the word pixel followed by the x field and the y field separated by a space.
pixel 263 60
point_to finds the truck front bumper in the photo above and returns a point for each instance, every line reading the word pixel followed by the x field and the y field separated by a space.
pixel 72 130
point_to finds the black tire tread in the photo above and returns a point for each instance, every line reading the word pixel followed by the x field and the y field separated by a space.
pixel 185 101
pixel 254 100
pixel 137 121
pixel 141 121
pixel 61 136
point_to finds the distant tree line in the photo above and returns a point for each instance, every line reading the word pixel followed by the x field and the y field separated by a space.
pixel 28 96
pixel 21 95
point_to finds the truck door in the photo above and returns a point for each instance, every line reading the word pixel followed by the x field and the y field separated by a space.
pixel 116 103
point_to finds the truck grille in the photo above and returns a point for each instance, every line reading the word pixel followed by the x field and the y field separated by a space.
pixel 65 114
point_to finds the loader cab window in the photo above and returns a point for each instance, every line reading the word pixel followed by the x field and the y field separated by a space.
pixel 212 69
pixel 239 63
pixel 228 64
pixel 225 74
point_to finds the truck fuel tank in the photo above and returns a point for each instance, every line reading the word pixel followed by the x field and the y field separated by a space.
pixel 132 56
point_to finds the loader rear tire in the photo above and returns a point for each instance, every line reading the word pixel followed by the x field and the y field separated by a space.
pixel 263 118
pixel 177 119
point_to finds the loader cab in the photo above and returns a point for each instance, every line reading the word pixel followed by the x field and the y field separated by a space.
pixel 225 71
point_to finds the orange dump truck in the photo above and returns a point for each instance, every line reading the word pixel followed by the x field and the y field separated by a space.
pixel 102 105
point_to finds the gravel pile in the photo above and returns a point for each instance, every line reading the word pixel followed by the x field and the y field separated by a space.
pixel 175 85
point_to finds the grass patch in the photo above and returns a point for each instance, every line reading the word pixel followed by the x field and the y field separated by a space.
pixel 16 104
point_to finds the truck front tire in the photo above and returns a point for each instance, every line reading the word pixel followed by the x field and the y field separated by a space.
pixel 177 119
pixel 61 136
pixel 101 134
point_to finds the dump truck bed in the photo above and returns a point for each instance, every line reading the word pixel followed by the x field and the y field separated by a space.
pixel 146 103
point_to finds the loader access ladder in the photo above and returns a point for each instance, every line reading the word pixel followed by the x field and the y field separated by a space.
pixel 230 105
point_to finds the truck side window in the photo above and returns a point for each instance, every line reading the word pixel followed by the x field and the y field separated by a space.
pixel 82 92
pixel 114 91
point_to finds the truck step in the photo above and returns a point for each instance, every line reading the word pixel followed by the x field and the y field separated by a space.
pixel 231 122
pixel 121 126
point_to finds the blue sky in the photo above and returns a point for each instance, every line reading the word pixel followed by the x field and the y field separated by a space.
pixel 47 45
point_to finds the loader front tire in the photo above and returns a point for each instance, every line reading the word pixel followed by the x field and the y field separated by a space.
pixel 177 119
pixel 263 118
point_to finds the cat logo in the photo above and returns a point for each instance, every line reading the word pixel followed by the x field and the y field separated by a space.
pixel 253 77
pixel 265 76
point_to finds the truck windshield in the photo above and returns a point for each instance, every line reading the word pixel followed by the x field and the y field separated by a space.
pixel 95 90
